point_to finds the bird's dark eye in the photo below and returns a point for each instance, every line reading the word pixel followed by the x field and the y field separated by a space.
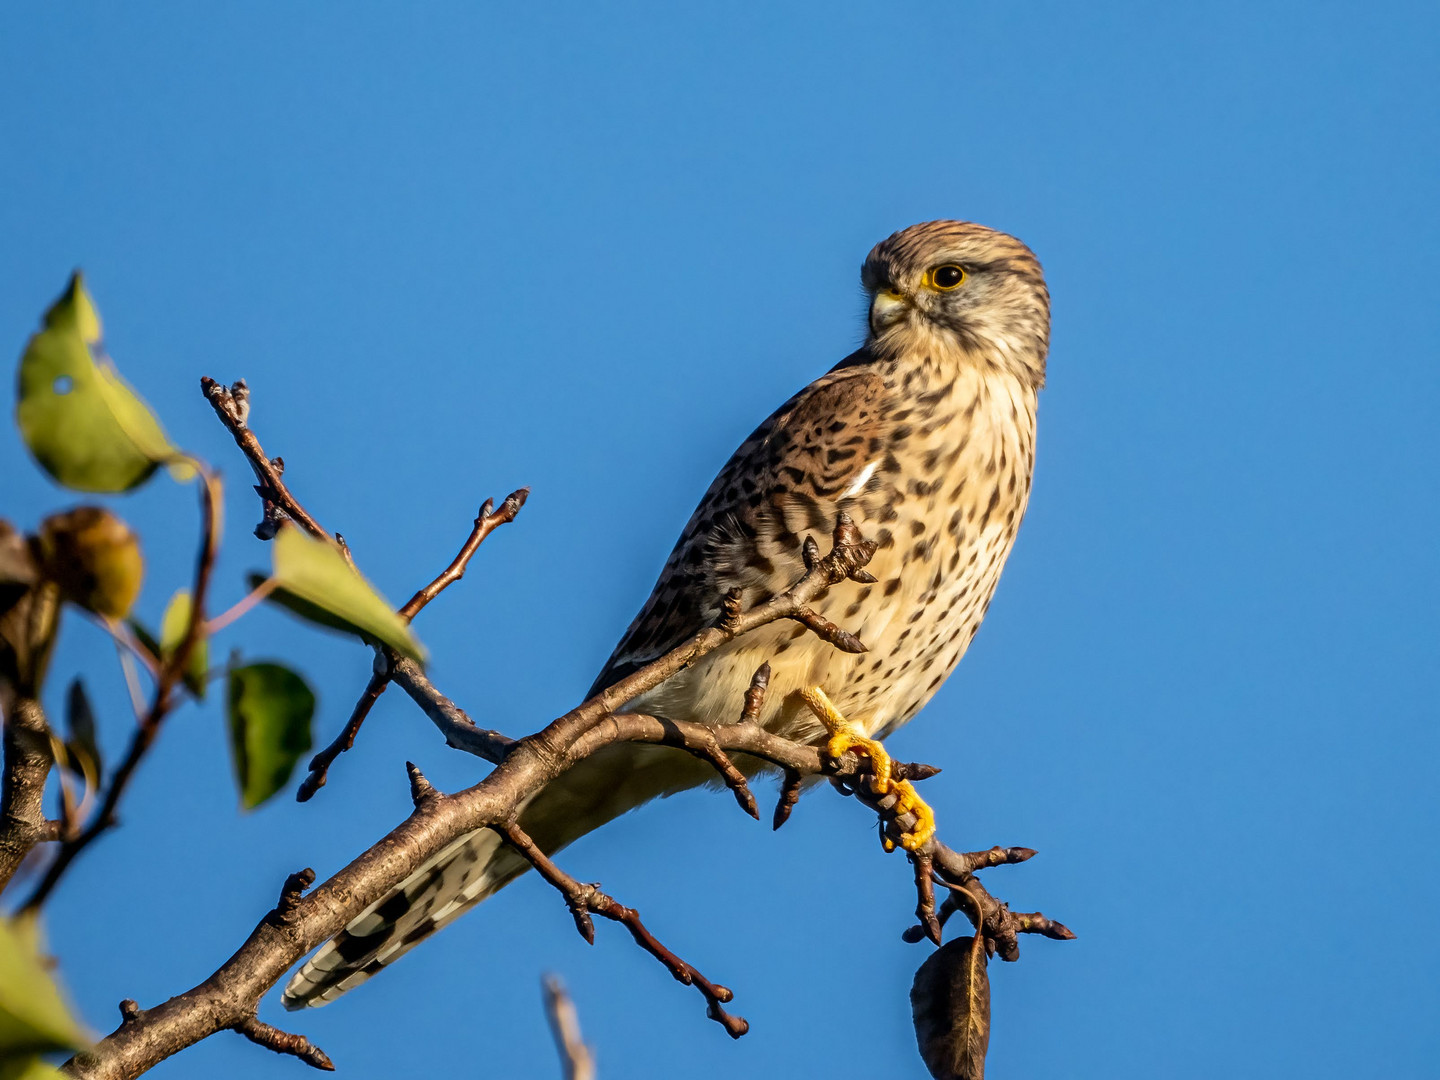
pixel 947 277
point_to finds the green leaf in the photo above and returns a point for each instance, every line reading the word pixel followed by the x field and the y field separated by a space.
pixel 173 625
pixel 33 1018
pixel 317 583
pixel 86 427
pixel 80 740
pixel 28 1068
pixel 269 709
pixel 144 636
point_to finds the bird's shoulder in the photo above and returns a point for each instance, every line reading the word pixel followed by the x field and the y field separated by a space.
pixel 817 441
pixel 806 453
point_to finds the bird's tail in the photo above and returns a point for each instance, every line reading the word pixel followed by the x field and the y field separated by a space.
pixel 604 786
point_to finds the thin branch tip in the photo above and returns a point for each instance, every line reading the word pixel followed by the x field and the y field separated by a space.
pixel 583 899
pixel 320 764
pixel 293 890
pixel 575 1057
pixel 283 1042
pixel 422 792
pixel 488 520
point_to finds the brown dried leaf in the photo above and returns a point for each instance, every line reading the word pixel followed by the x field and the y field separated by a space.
pixel 27 633
pixel 27 611
pixel 18 572
pixel 950 1001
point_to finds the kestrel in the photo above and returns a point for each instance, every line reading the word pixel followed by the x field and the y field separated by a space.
pixel 925 436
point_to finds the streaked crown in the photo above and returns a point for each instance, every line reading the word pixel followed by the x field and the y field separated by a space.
pixel 977 288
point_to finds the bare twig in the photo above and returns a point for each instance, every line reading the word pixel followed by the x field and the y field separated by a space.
pixel 282 1042
pixel 709 750
pixel 132 680
pixel 162 701
pixel 125 638
pixel 320 763
pixel 459 730
pixel 755 695
pixel 232 406
pixel 576 1059
pixel 992 918
pixel 936 863
pixel 421 790
pixel 487 522
pixel 583 899
pixel 242 606
pixel 925 895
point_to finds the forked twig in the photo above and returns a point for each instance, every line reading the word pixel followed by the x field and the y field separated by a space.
pixel 585 899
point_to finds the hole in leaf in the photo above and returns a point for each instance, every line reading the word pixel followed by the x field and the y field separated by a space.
pixel 63 384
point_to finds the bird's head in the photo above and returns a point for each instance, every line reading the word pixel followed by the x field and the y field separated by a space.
pixel 955 285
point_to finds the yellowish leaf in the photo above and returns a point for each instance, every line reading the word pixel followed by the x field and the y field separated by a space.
pixel 173 625
pixel 33 1017
pixel 86 427
pixel 317 583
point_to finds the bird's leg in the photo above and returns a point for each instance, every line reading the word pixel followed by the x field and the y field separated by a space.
pixel 843 737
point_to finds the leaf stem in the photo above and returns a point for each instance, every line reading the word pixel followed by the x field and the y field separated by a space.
pixel 248 601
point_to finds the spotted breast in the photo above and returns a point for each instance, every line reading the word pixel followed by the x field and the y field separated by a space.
pixel 932 460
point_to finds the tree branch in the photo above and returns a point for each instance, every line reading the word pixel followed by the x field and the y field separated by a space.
pixel 459 730
pixel 283 1042
pixel 299 923
pixel 583 899
pixel 487 522
pixel 321 762
pixel 575 1056
pixel 27 766
pixel 232 406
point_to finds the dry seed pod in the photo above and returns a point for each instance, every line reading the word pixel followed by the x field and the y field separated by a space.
pixel 94 558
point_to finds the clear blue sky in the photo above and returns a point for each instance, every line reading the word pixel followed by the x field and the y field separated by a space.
pixel 458 248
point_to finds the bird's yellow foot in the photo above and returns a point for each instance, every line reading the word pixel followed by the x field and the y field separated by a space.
pixel 907 801
pixel 843 737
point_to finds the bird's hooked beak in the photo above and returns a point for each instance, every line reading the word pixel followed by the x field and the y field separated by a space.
pixel 888 306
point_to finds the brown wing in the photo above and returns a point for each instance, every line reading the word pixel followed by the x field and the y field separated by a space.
pixel 784 481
